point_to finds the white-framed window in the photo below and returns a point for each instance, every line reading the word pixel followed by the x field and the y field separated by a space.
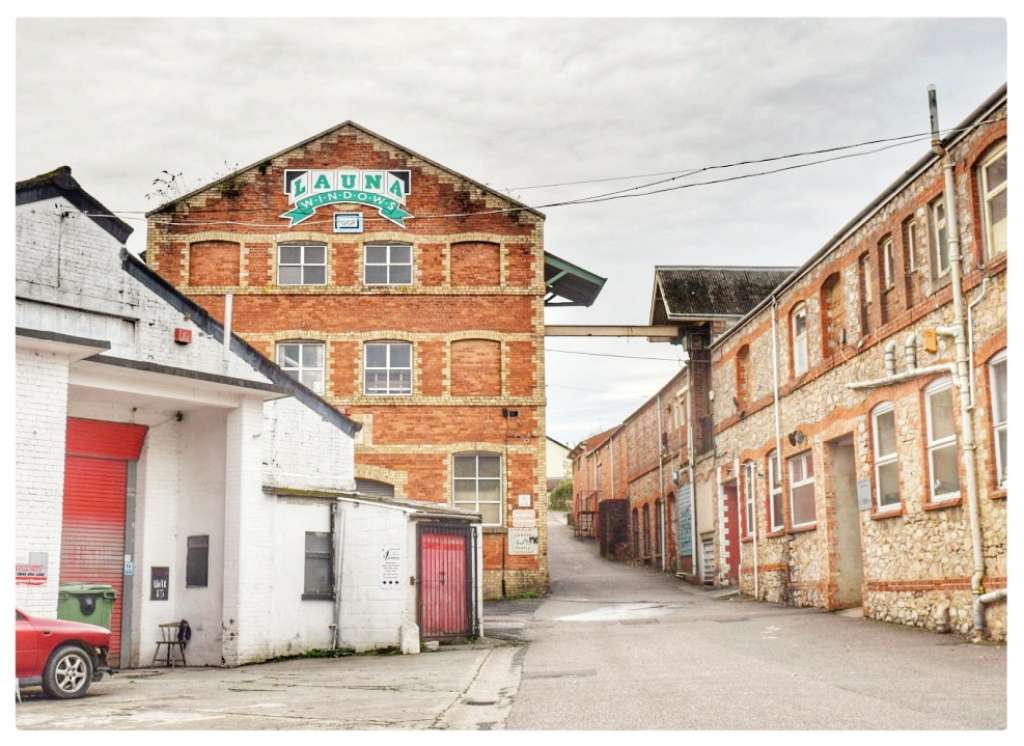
pixel 749 496
pixel 887 474
pixel 801 489
pixel 477 485
pixel 888 264
pixel 387 368
pixel 775 514
pixel 992 180
pixel 997 382
pixel 387 264
pixel 800 339
pixel 943 466
pixel 303 361
pixel 301 264
pixel 911 239
pixel 940 239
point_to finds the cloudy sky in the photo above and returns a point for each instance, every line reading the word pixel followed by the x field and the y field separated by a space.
pixel 521 103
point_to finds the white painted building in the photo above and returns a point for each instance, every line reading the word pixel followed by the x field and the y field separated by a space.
pixel 196 477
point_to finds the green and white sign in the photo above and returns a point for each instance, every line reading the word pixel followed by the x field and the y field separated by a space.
pixel 309 190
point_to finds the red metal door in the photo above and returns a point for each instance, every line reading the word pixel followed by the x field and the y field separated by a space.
pixel 95 483
pixel 446 588
pixel 730 494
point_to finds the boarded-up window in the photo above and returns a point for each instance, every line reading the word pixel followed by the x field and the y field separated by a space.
pixel 476 367
pixel 476 263
pixel 213 263
pixel 833 332
pixel 743 377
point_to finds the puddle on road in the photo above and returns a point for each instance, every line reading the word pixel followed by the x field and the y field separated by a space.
pixel 618 613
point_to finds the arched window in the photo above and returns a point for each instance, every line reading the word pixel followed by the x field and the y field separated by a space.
pixel 887 470
pixel 992 192
pixel 387 368
pixel 833 331
pixel 303 360
pixel 943 461
pixel 798 336
pixel 997 388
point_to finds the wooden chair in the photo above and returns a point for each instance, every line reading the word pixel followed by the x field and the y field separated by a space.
pixel 169 642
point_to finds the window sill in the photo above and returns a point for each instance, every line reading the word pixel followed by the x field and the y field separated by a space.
pixel 803 529
pixel 317 597
pixel 781 531
pixel 881 515
pixel 955 502
pixel 999 494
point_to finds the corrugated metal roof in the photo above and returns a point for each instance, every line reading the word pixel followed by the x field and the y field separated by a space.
pixel 702 292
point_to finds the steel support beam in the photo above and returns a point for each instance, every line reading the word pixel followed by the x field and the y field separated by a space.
pixel 664 332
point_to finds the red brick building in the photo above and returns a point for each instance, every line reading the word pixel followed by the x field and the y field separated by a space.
pixel 412 298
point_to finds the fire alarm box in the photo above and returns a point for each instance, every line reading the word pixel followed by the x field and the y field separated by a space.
pixel 182 336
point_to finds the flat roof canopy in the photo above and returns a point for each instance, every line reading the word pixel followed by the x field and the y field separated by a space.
pixel 569 285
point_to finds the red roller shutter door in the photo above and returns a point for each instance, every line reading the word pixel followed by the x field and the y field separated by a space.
pixel 95 482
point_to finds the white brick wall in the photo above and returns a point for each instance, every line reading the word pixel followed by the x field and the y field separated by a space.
pixel 90 277
pixel 40 422
pixel 202 475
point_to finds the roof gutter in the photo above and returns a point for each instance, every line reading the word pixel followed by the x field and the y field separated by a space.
pixel 922 164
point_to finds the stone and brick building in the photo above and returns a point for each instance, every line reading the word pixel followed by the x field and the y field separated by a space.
pixel 415 305
pixel 835 467
pixel 634 479
pixel 837 414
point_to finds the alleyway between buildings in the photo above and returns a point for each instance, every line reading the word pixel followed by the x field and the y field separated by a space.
pixel 615 646
pixel 612 647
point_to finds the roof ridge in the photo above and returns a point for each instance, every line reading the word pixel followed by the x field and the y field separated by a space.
pixel 329 131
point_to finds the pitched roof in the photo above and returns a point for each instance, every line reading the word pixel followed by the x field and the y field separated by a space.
pixel 348 123
pixel 697 292
pixel 60 183
pixel 954 135
pixel 593 442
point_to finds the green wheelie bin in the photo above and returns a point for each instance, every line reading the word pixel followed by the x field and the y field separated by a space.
pixel 92 603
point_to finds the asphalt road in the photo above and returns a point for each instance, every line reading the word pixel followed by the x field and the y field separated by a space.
pixel 618 647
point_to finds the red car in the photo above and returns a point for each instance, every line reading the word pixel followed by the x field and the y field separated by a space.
pixel 64 657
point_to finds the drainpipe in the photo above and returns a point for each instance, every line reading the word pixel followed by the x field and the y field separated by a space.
pixel 693 487
pixel 661 487
pixel 754 534
pixel 970 331
pixel 777 407
pixel 339 554
pixel 229 298
pixel 963 363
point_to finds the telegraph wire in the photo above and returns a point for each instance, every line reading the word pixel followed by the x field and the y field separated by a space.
pixel 628 192
pixel 609 354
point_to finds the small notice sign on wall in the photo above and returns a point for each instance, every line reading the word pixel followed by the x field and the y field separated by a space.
pixel 391 567
pixel 524 518
pixel 159 583
pixel 864 494
pixel 30 569
pixel 522 541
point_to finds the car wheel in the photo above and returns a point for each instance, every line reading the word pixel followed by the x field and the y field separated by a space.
pixel 68 673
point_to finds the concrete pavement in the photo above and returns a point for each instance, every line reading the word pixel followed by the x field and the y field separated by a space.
pixel 467 687
pixel 618 647
pixel 612 647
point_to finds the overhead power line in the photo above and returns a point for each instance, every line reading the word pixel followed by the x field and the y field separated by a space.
pixel 609 354
pixel 625 193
